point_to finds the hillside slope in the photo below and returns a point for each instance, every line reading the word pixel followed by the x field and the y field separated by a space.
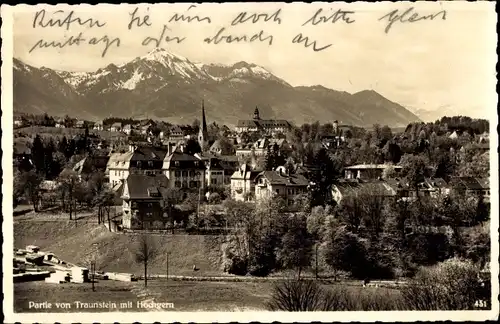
pixel 72 242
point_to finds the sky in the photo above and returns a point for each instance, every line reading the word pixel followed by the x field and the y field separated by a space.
pixel 435 65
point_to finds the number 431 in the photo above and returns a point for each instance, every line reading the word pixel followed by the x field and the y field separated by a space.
pixel 481 303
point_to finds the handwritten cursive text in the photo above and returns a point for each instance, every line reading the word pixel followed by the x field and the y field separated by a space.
pixel 243 17
pixel 299 39
pixel 138 20
pixel 77 41
pixel 69 19
pixel 340 14
pixel 188 18
pixel 219 37
pixel 409 17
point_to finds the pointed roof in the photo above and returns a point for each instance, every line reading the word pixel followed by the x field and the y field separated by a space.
pixel 203 126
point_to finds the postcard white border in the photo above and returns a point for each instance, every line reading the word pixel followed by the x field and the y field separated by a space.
pixel 221 317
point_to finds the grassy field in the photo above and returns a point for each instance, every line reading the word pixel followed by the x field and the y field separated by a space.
pixel 186 296
pixel 73 242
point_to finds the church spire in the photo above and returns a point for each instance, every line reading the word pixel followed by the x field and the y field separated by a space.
pixel 203 133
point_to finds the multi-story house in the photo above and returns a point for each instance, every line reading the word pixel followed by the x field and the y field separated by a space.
pixel 184 171
pixel 279 183
pixel 143 202
pixel 471 186
pixel 98 126
pixel 116 127
pixel 271 126
pixel 137 160
pixel 219 169
pixel 243 183
pixel 175 133
pixel 127 129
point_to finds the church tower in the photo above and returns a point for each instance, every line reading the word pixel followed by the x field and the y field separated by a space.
pixel 203 133
pixel 256 113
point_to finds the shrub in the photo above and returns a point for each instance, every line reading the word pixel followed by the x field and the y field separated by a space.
pixel 451 285
pixel 296 296
pixel 307 295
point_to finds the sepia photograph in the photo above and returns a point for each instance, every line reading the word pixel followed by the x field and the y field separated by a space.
pixel 250 162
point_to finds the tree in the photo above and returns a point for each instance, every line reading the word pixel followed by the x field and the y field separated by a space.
pixel 414 168
pixel 345 251
pixel 392 152
pixel 430 289
pixel 38 154
pixel 296 244
pixel 350 211
pixel 31 182
pixel 146 252
pixel 69 181
pixel 196 126
pixel 325 172
pixel 445 167
pixel 192 146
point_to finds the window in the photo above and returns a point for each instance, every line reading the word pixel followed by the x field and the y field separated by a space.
pixel 184 184
pixel 289 191
pixel 290 202
pixel 150 164
pixel 177 173
pixel 214 181
pixel 177 184
pixel 277 191
pixel 184 173
pixel 191 173
pixel 150 205
pixel 196 163
pixel 176 163
pixel 139 164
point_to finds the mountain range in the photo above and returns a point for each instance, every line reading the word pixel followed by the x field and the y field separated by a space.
pixel 170 87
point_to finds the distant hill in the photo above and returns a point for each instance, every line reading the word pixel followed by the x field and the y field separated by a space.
pixel 164 85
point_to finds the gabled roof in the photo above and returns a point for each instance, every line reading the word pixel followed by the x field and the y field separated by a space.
pixel 245 172
pixel 471 183
pixel 263 123
pixel 377 187
pixel 175 129
pixel 91 163
pixel 277 178
pixel 247 123
pixel 141 186
pixel 147 153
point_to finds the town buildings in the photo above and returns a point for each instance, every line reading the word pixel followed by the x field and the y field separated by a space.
pixel 137 160
pixel 143 201
pixel 243 183
pixel 279 183
pixel 116 127
pixel 271 126
pixel 219 169
pixel 184 170
pixel 262 146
